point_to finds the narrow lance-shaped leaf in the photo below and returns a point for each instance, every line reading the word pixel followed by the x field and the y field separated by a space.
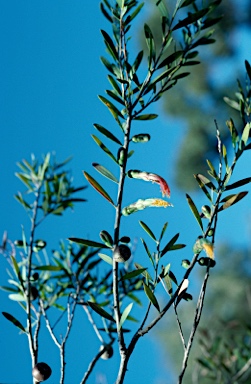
pixel 114 111
pixel 125 314
pixel 170 244
pixel 202 186
pixel 194 210
pixel 48 268
pixel 232 199
pixel 148 230
pixel 151 296
pixel 14 321
pixel 239 183
pixel 147 250
pixel 105 172
pixel 106 258
pixel 163 231
pixel 104 148
pixel 132 274
pixel 149 116
pixel 89 243
pixel 98 187
pixel 107 133
pixel 191 19
pixel 110 45
pixel 100 311
pixel 144 272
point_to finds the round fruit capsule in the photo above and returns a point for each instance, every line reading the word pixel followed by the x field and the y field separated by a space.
pixel 41 372
pixel 121 253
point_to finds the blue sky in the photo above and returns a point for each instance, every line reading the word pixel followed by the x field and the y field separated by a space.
pixel 50 76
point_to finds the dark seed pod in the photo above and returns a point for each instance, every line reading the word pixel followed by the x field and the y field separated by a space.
pixel 121 253
pixel 108 351
pixel 33 293
pixel 41 372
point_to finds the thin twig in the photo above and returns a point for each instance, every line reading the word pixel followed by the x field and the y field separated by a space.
pixel 90 318
pixel 196 322
pixel 180 328
pixel 91 366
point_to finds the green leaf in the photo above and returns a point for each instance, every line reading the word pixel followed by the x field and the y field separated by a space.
pixel 26 180
pixel 114 111
pixel 186 3
pixel 104 148
pixel 110 45
pixel 106 258
pixel 148 230
pixel 115 85
pixel 15 265
pixel 16 297
pixel 205 181
pixel 14 321
pixel 169 245
pixel 89 243
pixel 137 61
pixel 114 96
pixel 147 250
pixel 20 199
pixel 163 231
pixel 132 274
pixel 105 172
pixel 239 183
pixel 98 187
pixel 134 14
pixel 194 210
pixel 170 59
pixel 144 273
pixel 245 133
pixel 202 186
pixel 248 69
pixel 232 103
pixel 125 314
pixel 48 268
pixel 107 133
pixel 150 43
pixel 191 18
pixel 100 311
pixel 149 116
pixel 175 247
pixel 232 199
pixel 151 296
pixel 111 67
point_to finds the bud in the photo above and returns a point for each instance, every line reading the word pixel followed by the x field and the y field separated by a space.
pixel 206 210
pixel 106 238
pixel 141 138
pixel 121 155
pixel 121 253
pixel 125 239
pixel 185 263
pixel 205 261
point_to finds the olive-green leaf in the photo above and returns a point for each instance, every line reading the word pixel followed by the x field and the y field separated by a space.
pixel 89 243
pixel 107 133
pixel 147 229
pixel 110 45
pixel 191 18
pixel 245 133
pixel 14 321
pixel 114 111
pixel 194 210
pixel 232 199
pixel 105 172
pixel 149 116
pixel 132 274
pixel 100 311
pixel 98 187
pixel 48 268
pixel 163 231
pixel 106 258
pixel 104 148
pixel 151 296
pixel 144 273
pixel 170 244
pixel 248 69
pixel 239 183
pixel 170 59
pixel 125 314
